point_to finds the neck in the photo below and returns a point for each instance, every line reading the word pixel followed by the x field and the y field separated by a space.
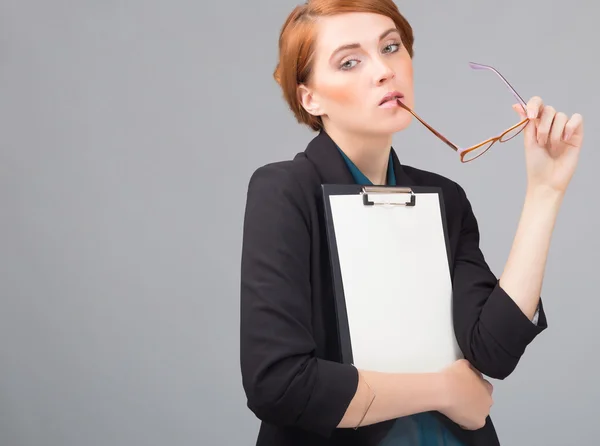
pixel 370 153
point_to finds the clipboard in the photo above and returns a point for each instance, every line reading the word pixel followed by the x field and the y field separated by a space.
pixel 390 261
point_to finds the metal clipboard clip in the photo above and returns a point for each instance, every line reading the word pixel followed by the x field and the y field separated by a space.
pixel 387 196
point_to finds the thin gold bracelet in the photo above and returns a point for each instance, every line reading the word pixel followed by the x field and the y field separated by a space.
pixel 368 407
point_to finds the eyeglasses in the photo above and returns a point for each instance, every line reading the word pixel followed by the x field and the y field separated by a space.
pixel 470 153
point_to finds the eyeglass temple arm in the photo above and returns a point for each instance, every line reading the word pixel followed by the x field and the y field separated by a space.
pixel 475 66
pixel 434 131
pixel 478 66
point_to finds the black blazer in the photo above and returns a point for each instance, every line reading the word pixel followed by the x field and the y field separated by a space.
pixel 290 358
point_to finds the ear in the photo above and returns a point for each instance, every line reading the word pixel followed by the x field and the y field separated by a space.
pixel 309 101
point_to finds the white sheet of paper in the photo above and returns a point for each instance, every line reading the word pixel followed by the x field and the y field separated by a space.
pixel 397 285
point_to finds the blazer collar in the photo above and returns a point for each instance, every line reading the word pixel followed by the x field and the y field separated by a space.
pixel 323 153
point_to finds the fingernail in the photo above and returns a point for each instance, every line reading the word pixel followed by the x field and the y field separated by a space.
pixel 531 114
pixel 567 136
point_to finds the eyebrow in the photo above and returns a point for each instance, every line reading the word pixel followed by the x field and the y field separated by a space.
pixel 357 45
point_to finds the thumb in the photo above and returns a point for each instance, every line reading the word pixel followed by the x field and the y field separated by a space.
pixel 530 128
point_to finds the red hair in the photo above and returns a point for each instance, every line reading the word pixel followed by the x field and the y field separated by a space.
pixel 297 45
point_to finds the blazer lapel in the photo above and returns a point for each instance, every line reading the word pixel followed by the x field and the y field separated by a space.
pixel 402 178
pixel 324 154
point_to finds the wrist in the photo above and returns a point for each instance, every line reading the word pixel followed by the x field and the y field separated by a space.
pixel 441 395
pixel 544 192
pixel 544 196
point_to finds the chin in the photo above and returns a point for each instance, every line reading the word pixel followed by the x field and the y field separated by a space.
pixel 395 125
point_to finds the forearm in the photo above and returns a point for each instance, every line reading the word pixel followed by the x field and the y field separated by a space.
pixel 524 271
pixel 396 395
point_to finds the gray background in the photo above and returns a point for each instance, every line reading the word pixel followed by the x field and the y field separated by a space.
pixel 129 130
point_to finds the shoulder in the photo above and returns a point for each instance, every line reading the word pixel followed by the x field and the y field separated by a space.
pixel 287 185
pixel 281 175
pixel 272 181
pixel 457 207
pixel 292 176
pixel 453 192
pixel 271 174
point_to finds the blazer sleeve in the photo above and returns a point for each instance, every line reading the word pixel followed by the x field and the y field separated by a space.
pixel 491 329
pixel 285 383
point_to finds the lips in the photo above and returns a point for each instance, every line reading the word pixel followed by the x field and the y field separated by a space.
pixel 391 96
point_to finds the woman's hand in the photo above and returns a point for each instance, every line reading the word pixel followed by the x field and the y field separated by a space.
pixel 552 145
pixel 467 396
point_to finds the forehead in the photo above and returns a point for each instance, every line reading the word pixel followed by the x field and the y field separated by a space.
pixel 354 27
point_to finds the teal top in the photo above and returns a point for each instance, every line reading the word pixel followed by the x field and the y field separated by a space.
pixel 361 178
pixel 421 429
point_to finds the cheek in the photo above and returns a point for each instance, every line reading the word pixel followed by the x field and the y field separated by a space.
pixel 341 93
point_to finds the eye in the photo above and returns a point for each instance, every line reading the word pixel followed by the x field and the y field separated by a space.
pixel 348 64
pixel 391 48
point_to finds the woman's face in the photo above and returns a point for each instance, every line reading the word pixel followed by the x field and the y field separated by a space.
pixel 359 59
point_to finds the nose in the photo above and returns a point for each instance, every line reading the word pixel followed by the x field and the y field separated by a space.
pixel 383 72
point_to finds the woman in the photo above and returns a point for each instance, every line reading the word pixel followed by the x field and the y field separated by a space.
pixel 338 61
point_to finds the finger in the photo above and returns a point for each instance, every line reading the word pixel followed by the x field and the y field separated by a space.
pixel 534 107
pixel 529 132
pixel 558 128
pixel 520 110
pixel 544 125
pixel 573 125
